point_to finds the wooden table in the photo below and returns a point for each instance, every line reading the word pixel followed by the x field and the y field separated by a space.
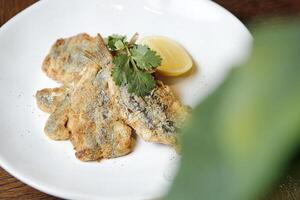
pixel 246 10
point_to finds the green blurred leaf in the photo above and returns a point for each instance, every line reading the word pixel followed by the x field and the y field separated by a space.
pixel 243 135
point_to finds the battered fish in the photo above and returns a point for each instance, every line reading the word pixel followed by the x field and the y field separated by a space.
pixel 80 110
pixel 156 117
pixel 55 101
pixel 66 61
pixel 97 130
pixel 49 99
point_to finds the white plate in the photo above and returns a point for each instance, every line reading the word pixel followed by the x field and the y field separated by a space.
pixel 214 38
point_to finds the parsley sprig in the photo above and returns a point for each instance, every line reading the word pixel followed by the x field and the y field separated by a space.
pixel 133 64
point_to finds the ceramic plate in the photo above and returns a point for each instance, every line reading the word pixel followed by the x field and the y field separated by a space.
pixel 215 39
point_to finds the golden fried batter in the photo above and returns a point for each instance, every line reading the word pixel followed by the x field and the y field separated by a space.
pixel 156 117
pixel 66 61
pixel 79 110
pixel 97 130
pixel 49 99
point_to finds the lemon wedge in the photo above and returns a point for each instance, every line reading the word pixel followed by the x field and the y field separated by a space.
pixel 175 60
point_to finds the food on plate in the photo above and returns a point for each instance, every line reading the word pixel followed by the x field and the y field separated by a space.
pixel 55 101
pixel 133 64
pixel 66 62
pixel 99 109
pixel 175 60
pixel 97 129
pixel 49 99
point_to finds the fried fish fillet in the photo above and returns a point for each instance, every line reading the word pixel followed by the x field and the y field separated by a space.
pixel 66 61
pixel 97 130
pixel 55 101
pixel 80 110
pixel 155 117
pixel 49 99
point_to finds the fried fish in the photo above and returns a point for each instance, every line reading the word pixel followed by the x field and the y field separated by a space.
pixel 93 112
pixel 66 62
pixel 80 110
pixel 96 127
pixel 155 117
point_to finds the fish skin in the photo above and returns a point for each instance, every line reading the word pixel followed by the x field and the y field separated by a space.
pixel 155 117
pixel 97 130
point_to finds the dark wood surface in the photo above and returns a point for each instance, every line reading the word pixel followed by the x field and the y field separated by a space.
pixel 246 10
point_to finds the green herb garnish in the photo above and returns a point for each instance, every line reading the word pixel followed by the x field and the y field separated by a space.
pixel 133 64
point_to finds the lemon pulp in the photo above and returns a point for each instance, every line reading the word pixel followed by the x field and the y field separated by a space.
pixel 175 59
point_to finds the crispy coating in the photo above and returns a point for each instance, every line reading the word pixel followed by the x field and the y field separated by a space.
pixel 56 125
pixel 66 61
pixel 97 130
pixel 80 110
pixel 49 99
pixel 156 117
pixel 55 101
